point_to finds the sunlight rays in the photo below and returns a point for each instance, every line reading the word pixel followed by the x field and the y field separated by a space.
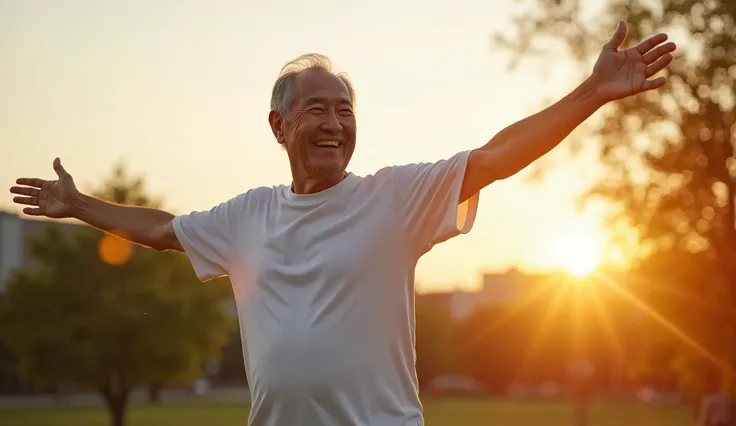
pixel 541 291
pixel 603 315
pixel 547 319
pixel 586 305
pixel 684 337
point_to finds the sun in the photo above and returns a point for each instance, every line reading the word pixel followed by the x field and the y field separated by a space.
pixel 578 254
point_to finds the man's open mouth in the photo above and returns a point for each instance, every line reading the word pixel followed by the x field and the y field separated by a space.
pixel 328 144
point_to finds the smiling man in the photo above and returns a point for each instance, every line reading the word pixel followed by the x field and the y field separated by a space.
pixel 319 148
pixel 323 268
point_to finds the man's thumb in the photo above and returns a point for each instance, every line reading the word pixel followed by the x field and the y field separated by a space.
pixel 618 37
pixel 58 168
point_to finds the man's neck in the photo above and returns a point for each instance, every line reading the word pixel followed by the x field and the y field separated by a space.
pixel 313 186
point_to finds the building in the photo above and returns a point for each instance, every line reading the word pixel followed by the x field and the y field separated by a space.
pixel 14 234
pixel 507 288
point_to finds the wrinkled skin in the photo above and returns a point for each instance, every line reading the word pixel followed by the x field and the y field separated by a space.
pixel 321 110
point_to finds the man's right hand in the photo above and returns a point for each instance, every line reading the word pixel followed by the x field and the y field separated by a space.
pixel 49 198
pixel 60 199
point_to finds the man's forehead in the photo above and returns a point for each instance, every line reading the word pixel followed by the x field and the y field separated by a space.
pixel 316 83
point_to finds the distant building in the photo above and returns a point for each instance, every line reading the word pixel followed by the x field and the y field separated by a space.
pixel 437 300
pixel 14 235
pixel 507 288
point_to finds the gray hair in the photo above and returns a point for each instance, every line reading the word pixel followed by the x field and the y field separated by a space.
pixel 281 96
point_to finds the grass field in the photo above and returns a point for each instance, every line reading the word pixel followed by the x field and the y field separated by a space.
pixel 437 413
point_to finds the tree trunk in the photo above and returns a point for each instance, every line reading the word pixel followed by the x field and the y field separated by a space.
pixel 116 405
pixel 581 413
pixel 154 393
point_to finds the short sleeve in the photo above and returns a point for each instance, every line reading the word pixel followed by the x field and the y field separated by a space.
pixel 428 201
pixel 208 237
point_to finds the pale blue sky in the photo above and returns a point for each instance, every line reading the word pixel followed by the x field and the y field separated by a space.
pixel 179 91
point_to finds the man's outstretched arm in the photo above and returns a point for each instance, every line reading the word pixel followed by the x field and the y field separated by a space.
pixel 60 199
pixel 522 143
pixel 617 74
pixel 145 226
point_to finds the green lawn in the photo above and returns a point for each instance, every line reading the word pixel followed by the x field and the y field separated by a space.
pixel 437 413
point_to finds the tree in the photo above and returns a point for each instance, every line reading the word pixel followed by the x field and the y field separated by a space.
pixel 476 342
pixel 682 288
pixel 668 155
pixel 104 315
pixel 433 328
pixel 231 370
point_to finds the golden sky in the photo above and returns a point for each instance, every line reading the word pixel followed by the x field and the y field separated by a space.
pixel 179 91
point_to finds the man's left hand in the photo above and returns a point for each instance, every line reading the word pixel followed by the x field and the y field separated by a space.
pixel 622 73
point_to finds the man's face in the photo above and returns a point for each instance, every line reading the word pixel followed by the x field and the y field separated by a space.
pixel 319 133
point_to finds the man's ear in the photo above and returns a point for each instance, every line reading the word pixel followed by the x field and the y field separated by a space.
pixel 277 126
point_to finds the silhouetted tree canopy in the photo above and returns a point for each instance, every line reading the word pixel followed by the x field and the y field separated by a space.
pixel 141 317
pixel 668 155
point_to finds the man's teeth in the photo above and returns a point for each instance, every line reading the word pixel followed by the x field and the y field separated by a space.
pixel 331 144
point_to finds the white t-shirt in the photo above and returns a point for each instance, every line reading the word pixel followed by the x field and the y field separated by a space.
pixel 324 288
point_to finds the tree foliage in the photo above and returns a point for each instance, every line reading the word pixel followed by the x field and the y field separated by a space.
pixel 681 344
pixel 668 155
pixel 433 331
pixel 110 327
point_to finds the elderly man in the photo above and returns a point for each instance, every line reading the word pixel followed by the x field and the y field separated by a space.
pixel 323 268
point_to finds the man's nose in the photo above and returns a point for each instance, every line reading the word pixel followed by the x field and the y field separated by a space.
pixel 331 122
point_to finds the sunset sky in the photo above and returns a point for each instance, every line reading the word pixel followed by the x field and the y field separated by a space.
pixel 179 91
